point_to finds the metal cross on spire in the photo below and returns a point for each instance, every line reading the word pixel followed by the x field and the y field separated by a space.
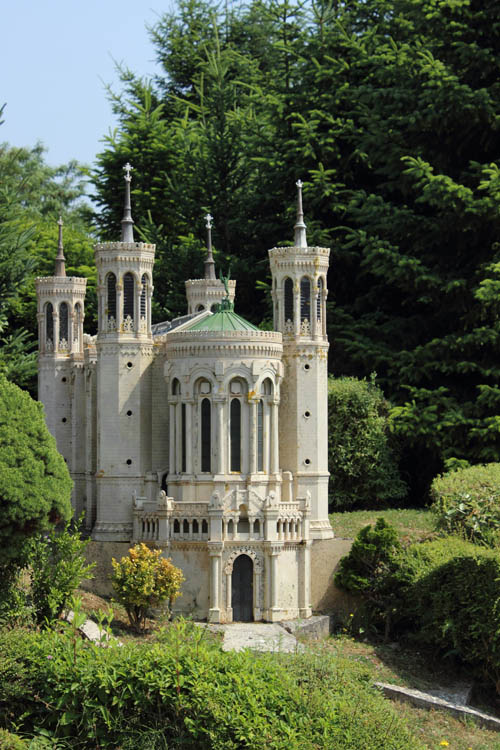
pixel 127 221
pixel 209 263
pixel 60 269
pixel 300 227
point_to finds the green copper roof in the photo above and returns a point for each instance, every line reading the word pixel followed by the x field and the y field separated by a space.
pixel 224 320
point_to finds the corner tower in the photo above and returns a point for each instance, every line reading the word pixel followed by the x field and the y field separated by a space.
pixel 207 293
pixel 60 316
pixel 299 293
pixel 124 353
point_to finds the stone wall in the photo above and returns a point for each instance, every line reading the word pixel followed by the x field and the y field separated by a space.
pixel 326 598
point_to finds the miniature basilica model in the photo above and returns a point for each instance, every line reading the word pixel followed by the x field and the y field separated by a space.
pixel 204 435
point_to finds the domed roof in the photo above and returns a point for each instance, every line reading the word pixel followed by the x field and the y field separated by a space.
pixel 223 320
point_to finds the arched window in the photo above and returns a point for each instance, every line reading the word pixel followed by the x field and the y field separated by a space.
pixel 319 299
pixel 177 527
pixel 176 387
pixel 267 387
pixel 185 526
pixel 305 299
pixel 204 527
pixel 199 308
pixel 235 434
pixel 288 294
pixel 77 321
pixel 260 436
pixel 49 322
pixel 63 322
pixel 111 289
pixel 214 307
pixel 144 292
pixel 183 438
pixel 128 296
pixel 206 435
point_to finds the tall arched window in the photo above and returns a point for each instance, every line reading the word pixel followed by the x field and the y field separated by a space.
pixel 63 322
pixel 144 292
pixel 128 296
pixel 288 299
pixel 319 299
pixel 111 289
pixel 235 434
pixel 206 435
pixel 183 438
pixel 76 324
pixel 305 299
pixel 176 387
pixel 49 323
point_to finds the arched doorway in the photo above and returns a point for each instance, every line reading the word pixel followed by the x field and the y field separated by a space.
pixel 242 589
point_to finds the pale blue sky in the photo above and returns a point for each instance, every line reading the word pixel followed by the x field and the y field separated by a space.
pixel 56 56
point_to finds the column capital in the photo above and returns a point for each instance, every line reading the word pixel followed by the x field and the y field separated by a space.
pixel 273 548
pixel 215 548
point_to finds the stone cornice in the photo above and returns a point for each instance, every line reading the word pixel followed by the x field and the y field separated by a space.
pixel 307 253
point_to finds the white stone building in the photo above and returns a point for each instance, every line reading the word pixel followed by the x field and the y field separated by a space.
pixel 204 435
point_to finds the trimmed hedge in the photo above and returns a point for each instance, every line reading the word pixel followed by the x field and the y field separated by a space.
pixel 183 692
pixel 362 459
pixel 467 502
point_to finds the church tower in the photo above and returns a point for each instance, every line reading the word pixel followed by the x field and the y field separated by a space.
pixel 60 316
pixel 207 293
pixel 299 293
pixel 124 353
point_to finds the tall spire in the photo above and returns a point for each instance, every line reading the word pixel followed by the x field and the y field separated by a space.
pixel 209 263
pixel 60 269
pixel 300 227
pixel 127 221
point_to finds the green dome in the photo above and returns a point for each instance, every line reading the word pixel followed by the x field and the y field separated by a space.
pixel 224 320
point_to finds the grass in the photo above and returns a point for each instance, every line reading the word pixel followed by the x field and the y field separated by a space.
pixel 406 666
pixel 411 524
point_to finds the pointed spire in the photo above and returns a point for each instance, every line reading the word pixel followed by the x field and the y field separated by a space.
pixel 300 227
pixel 127 221
pixel 60 269
pixel 209 263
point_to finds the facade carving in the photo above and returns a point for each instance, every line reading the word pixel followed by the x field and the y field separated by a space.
pixel 204 435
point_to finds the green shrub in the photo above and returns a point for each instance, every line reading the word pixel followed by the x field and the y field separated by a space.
pixel 371 569
pixel 467 501
pixel 35 485
pixel 58 566
pixel 10 741
pixel 361 454
pixel 143 580
pixel 183 692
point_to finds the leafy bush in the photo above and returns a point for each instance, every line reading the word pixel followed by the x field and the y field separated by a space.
pixel 467 502
pixel 35 485
pixel 58 566
pixel 453 600
pixel 143 580
pixel 371 569
pixel 10 741
pixel 362 459
pixel 183 692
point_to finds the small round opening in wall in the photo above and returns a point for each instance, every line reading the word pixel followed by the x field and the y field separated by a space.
pixel 63 419
pixel 129 413
pixel 130 364
pixel 129 461
pixel 307 461
pixel 307 367
pixel 307 414
pixel 63 380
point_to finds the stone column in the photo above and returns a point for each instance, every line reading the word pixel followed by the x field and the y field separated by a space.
pixel 189 437
pixel 171 459
pixel 55 318
pixel 253 438
pixel 178 439
pixel 148 308
pixel 119 306
pixel 314 311
pixel 274 438
pixel 257 607
pixel 305 580
pixel 215 552
pixel 274 584
pixel 71 320
pixel 220 437
pixel 229 603
pixel 42 332
pixel 137 307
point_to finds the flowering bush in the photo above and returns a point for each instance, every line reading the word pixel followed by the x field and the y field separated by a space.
pixel 144 579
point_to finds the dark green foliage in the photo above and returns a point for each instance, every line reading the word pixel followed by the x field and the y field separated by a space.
pixel 453 601
pixel 361 450
pixel 372 569
pixel 467 502
pixel 182 692
pixel 58 566
pixel 35 485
